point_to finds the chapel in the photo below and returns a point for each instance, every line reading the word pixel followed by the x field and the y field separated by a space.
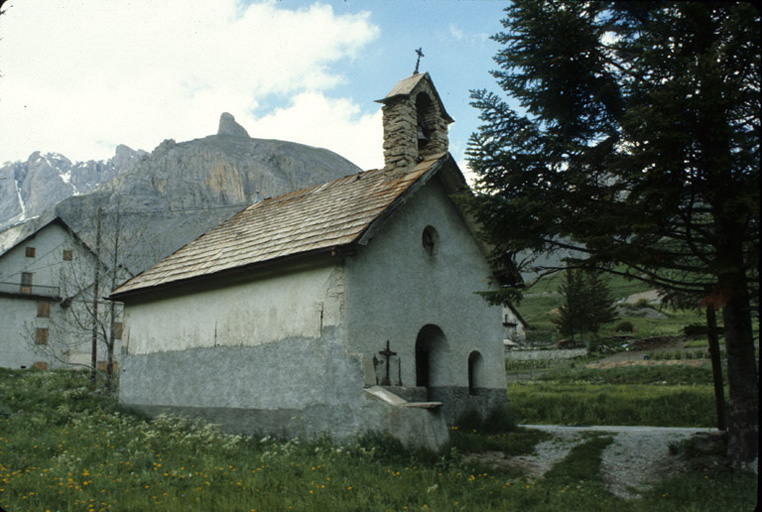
pixel 345 308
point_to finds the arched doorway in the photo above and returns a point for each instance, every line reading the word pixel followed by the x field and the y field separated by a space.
pixel 430 358
pixel 475 364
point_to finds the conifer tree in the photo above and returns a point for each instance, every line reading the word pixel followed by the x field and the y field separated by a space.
pixel 587 303
pixel 632 138
pixel 570 320
pixel 600 305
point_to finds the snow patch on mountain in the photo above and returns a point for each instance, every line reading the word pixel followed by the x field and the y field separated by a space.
pixel 31 187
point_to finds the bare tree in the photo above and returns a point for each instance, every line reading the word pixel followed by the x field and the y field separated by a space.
pixel 85 323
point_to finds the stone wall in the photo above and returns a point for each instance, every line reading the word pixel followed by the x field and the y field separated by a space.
pixel 401 119
pixel 527 355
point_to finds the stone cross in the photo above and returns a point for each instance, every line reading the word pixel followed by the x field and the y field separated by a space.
pixel 387 354
pixel 418 52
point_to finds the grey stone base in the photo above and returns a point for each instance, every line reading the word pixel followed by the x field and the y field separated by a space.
pixel 414 427
pixel 257 391
pixel 457 400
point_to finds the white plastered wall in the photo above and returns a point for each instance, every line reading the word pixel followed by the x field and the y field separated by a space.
pixel 395 288
pixel 264 310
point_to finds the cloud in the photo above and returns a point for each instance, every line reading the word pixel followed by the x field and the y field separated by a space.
pixel 79 77
pixel 470 38
pixel 456 32
pixel 316 120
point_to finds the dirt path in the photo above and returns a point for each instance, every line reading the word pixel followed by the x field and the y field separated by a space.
pixel 638 457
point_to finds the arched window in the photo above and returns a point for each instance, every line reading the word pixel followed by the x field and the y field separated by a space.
pixel 424 108
pixel 475 364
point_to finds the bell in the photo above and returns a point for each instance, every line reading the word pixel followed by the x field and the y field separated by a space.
pixel 422 138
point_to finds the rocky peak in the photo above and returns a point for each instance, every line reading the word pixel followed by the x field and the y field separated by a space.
pixel 228 126
pixel 30 187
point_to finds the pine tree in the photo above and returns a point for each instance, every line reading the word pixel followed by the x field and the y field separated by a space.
pixel 600 308
pixel 635 141
pixel 587 303
pixel 570 320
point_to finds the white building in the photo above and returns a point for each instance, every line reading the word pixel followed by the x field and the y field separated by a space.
pixel 516 327
pixel 46 297
pixel 342 308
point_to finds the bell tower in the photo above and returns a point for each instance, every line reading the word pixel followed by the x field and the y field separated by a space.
pixel 415 123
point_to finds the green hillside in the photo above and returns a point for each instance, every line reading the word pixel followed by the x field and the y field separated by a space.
pixel 541 301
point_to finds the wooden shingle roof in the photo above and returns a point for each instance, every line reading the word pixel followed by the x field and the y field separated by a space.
pixel 308 221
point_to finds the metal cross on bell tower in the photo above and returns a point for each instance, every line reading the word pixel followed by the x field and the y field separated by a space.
pixel 418 52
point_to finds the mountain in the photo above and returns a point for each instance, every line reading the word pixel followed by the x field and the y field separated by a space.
pixel 181 190
pixel 29 188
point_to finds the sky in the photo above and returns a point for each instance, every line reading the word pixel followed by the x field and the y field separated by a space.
pixel 79 77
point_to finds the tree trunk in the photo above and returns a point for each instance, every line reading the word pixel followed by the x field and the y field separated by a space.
pixel 743 379
pixel 114 279
pixel 110 351
pixel 94 344
pixel 714 352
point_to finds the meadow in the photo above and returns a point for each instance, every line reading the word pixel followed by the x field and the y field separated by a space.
pixel 66 447
pixel 540 304
pixel 570 393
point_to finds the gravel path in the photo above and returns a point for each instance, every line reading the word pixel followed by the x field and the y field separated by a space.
pixel 635 460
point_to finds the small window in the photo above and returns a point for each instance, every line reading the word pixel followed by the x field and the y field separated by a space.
pixel 68 254
pixel 42 335
pixel 475 363
pixel 43 309
pixel 103 366
pixel 118 328
pixel 26 282
pixel 430 240
pixel 31 252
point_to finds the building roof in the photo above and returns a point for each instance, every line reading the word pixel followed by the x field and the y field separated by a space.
pixel 313 220
pixel 20 233
pixel 405 87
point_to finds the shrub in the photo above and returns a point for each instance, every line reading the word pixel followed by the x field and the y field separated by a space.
pixel 642 303
pixel 470 419
pixel 695 330
pixel 499 420
pixel 624 326
pixel 385 446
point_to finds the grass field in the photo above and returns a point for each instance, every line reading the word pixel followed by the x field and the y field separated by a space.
pixel 668 396
pixel 66 448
